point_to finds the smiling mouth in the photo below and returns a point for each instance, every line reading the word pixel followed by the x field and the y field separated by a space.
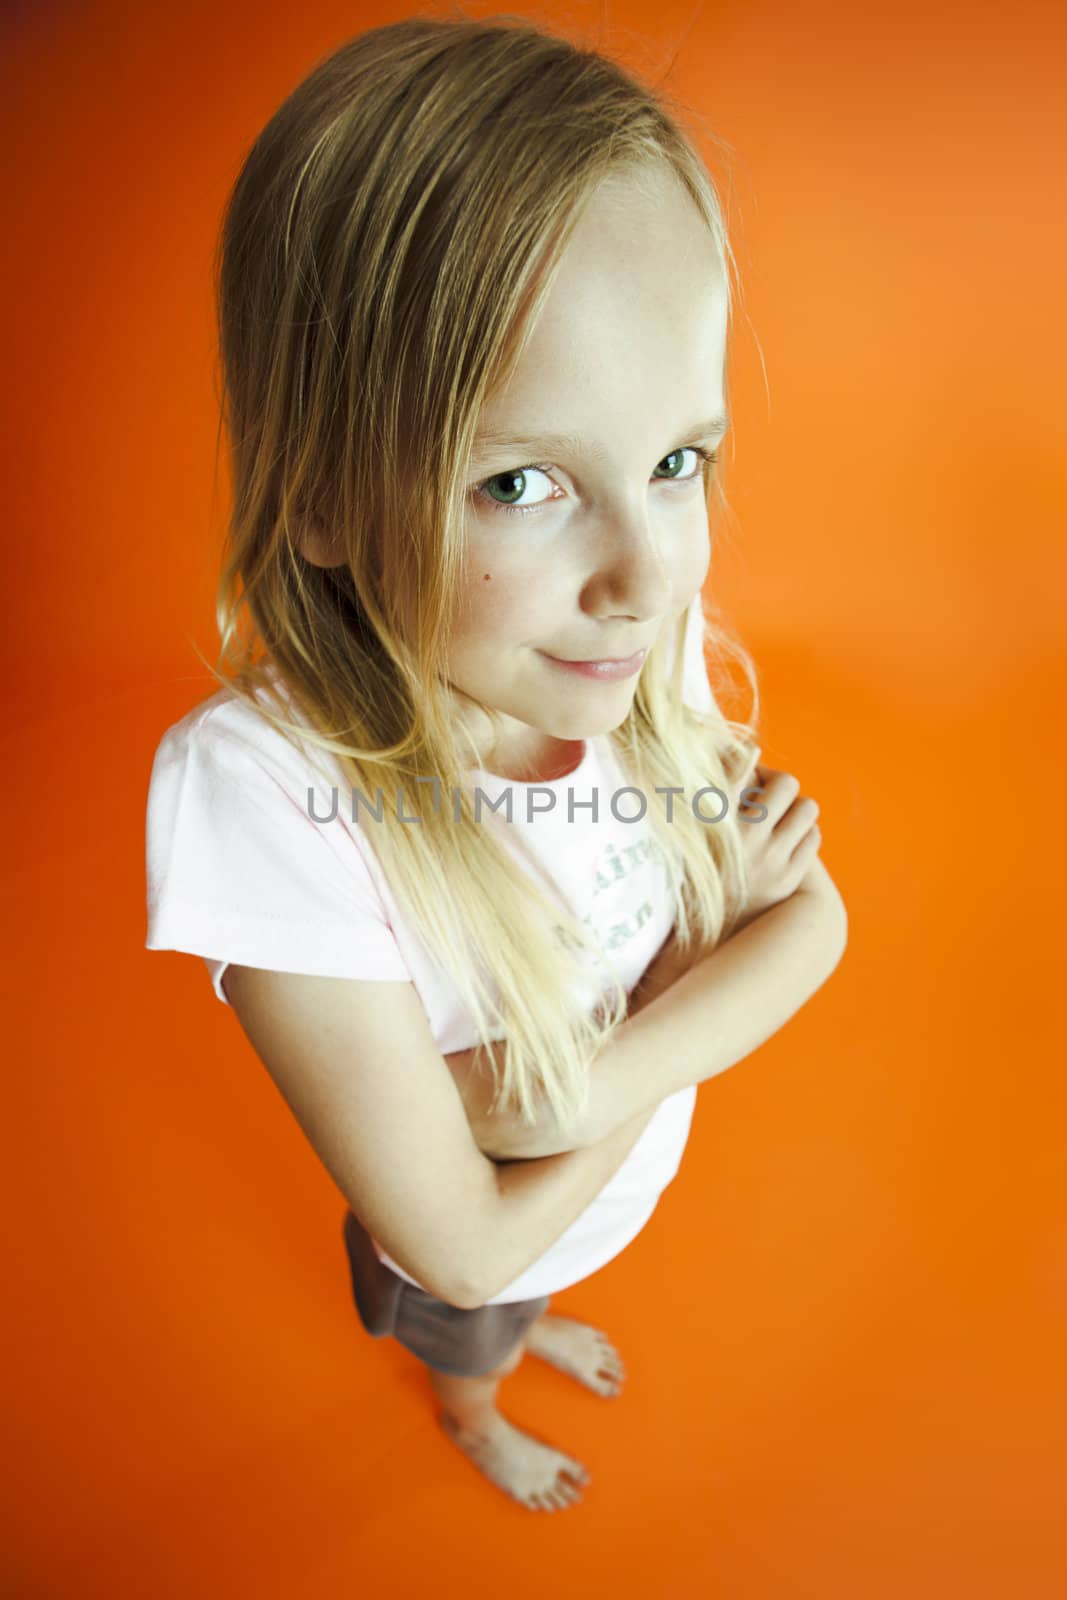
pixel 604 667
pixel 599 661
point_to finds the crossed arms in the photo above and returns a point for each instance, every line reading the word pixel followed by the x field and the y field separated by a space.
pixel 687 1020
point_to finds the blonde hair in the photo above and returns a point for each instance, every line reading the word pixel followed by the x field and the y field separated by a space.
pixel 388 242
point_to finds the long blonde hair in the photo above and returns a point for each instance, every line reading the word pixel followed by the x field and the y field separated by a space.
pixel 388 242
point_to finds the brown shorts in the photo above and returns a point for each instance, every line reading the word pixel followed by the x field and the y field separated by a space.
pixel 463 1344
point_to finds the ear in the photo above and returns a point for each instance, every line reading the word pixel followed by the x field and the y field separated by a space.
pixel 318 548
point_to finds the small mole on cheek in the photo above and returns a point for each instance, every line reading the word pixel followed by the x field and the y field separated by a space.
pixel 486 577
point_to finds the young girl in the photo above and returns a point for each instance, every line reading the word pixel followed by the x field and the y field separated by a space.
pixel 459 836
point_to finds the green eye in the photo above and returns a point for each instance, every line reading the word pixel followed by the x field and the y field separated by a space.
pixel 708 458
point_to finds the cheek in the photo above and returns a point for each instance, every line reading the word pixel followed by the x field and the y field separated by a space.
pixel 694 561
pixel 495 605
pixel 504 583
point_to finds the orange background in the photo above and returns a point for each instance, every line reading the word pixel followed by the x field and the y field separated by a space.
pixel 845 1326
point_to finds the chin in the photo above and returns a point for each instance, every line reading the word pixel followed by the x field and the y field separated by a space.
pixel 590 727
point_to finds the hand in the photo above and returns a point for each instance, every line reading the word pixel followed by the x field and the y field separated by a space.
pixel 779 850
pixel 780 847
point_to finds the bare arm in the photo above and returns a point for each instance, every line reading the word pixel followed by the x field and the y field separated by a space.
pixel 684 1030
pixel 719 1011
pixel 538 1200
pixel 358 1067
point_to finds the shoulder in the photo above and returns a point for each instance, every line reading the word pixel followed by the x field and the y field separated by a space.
pixel 225 738
pixel 228 784
pixel 248 859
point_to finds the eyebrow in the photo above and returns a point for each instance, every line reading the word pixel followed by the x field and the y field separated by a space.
pixel 493 440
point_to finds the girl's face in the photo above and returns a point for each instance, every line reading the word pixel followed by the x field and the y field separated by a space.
pixel 611 542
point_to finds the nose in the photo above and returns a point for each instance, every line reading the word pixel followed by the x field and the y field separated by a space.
pixel 631 575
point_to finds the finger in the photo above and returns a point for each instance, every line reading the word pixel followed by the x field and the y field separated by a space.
pixel 808 845
pixel 800 816
pixel 779 793
pixel 745 770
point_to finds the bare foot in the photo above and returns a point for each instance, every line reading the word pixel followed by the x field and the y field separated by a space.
pixel 532 1473
pixel 582 1352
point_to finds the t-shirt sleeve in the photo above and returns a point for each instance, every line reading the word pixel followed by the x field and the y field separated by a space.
pixel 696 689
pixel 238 870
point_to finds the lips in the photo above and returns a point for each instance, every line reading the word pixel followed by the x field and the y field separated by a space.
pixel 601 661
pixel 602 667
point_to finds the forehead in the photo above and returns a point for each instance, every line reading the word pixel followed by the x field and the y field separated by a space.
pixel 602 370
pixel 636 248
pixel 543 442
pixel 627 352
pixel 639 301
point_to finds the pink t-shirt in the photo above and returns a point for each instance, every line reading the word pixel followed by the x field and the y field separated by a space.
pixel 239 871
